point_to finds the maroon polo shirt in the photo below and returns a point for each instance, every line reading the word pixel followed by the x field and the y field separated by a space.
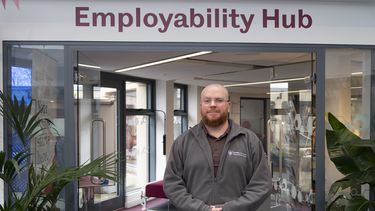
pixel 217 146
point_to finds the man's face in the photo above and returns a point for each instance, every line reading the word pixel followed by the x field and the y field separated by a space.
pixel 214 106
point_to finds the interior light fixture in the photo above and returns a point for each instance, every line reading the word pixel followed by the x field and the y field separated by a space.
pixel 291 92
pixel 163 61
pixel 357 73
pixel 89 66
pixel 268 82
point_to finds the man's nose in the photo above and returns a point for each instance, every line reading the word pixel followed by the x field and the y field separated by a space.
pixel 212 103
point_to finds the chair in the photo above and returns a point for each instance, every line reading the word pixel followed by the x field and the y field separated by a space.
pixel 153 189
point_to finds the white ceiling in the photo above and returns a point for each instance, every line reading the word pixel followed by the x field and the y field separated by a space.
pixel 216 67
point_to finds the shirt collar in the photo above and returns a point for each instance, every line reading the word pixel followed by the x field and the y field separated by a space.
pixel 224 134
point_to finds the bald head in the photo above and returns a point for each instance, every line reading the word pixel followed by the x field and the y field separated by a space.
pixel 215 88
pixel 215 105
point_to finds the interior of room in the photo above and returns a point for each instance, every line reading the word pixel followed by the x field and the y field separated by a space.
pixel 269 92
pixel 136 102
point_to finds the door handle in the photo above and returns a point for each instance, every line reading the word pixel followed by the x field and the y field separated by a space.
pixel 104 148
pixel 103 137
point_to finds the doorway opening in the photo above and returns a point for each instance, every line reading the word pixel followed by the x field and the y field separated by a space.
pixel 272 93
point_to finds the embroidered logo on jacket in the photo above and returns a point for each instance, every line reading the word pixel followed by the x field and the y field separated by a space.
pixel 234 153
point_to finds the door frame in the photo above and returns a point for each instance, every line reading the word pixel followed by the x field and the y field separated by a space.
pixel 319 81
pixel 70 158
pixel 118 201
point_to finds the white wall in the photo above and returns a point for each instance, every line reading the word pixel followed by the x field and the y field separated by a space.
pixel 161 104
pixel 193 105
pixel 38 20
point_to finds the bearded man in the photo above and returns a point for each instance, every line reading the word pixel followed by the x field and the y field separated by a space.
pixel 217 165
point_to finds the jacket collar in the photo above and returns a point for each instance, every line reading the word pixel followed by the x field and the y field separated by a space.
pixel 198 131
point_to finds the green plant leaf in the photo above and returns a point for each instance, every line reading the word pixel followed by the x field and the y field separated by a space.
pixel 352 180
pixel 36 198
pixel 11 167
pixel 334 202
pixel 348 158
pixel 359 203
pixel 18 115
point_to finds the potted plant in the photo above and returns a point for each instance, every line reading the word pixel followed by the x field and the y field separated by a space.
pixel 355 159
pixel 42 188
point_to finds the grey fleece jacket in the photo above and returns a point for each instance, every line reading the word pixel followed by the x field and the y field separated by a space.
pixel 243 180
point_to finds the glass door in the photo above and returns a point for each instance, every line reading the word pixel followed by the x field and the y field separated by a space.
pixel 98 122
pixel 139 121
pixel 290 135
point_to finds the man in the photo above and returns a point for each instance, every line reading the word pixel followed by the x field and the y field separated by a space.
pixel 217 165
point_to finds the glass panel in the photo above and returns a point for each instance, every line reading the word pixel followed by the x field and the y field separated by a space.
pixel 348 95
pixel 290 137
pixel 252 111
pixel 37 75
pixel 98 135
pixel 137 152
pixel 177 126
pixel 136 95
pixel 177 99
pixel 77 91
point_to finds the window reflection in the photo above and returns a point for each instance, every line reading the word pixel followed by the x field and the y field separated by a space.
pixel 348 95
pixel 136 95
pixel 137 128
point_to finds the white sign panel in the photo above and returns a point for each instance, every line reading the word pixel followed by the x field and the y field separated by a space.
pixel 306 22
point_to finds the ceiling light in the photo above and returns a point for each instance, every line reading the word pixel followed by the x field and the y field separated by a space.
pixel 268 82
pixel 357 73
pixel 163 61
pixel 89 66
pixel 291 92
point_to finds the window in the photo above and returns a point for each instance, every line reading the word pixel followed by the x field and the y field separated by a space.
pixel 140 130
pixel 36 73
pixel 348 95
pixel 180 109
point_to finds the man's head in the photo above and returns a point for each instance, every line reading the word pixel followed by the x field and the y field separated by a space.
pixel 215 105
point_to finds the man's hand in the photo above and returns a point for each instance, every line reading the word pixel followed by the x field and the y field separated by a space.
pixel 213 208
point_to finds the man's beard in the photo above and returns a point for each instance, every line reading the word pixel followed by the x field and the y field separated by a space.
pixel 215 122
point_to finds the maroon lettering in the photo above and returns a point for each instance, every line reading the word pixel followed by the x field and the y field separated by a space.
pixel 138 16
pixel 193 17
pixel 166 22
pixel 209 18
pixel 217 18
pixel 122 22
pixel 302 17
pixel 181 20
pixel 267 18
pixel 103 18
pixel 292 23
pixel 233 15
pixel 225 18
pixel 146 20
pixel 247 23
pixel 80 16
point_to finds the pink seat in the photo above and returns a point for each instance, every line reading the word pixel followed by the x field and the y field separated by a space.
pixel 155 189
